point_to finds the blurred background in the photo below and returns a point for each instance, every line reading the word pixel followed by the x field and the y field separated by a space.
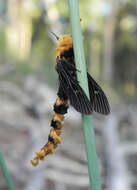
pixel 28 87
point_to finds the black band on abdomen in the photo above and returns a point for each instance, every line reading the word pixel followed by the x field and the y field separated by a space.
pixel 54 124
pixel 50 139
pixel 62 95
pixel 61 109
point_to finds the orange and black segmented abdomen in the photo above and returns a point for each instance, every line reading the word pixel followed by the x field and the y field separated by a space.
pixel 60 108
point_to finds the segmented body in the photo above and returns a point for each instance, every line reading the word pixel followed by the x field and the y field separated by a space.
pixel 57 122
pixel 70 90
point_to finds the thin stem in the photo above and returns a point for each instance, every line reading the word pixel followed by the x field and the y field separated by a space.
pixel 6 173
pixel 82 78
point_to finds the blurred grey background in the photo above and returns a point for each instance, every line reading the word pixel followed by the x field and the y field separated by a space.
pixel 28 86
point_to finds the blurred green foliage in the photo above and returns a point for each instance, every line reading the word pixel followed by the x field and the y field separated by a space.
pixel 126 49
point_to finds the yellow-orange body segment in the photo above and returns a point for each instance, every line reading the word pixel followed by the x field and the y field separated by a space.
pixel 65 43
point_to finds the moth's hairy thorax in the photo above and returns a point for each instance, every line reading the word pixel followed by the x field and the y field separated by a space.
pixel 66 53
pixel 66 60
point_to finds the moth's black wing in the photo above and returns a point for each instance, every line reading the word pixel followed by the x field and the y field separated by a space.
pixel 97 97
pixel 68 84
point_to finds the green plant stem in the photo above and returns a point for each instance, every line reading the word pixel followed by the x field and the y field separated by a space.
pixel 82 78
pixel 6 173
pixel 136 6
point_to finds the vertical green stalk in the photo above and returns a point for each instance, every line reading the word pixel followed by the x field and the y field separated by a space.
pixel 82 78
pixel 6 173
pixel 136 6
